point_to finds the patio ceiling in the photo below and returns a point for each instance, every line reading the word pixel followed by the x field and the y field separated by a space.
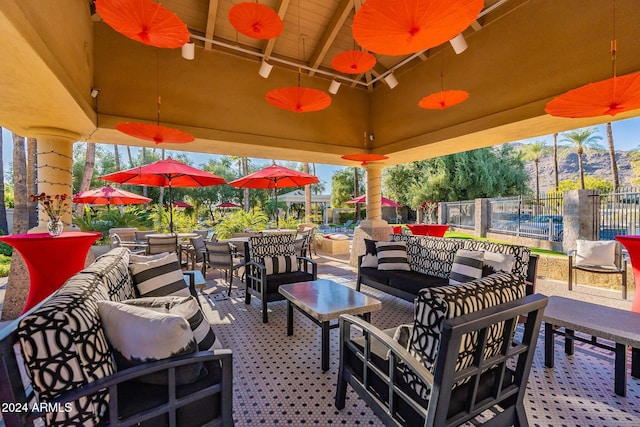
pixel 521 54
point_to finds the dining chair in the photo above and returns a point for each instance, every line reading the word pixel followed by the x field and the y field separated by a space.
pixel 141 236
pixel 159 244
pixel 116 242
pixel 219 255
pixel 196 251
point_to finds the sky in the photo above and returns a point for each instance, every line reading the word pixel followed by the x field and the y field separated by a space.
pixel 626 136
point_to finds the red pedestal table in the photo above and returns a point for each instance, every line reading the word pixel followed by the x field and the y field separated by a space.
pixel 434 230
pixel 50 260
pixel 632 244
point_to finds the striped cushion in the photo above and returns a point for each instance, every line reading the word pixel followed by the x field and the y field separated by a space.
pixel 186 307
pixel 392 256
pixel 467 266
pixel 159 277
pixel 280 264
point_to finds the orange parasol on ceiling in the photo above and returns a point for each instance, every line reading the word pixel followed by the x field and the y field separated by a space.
pixel 298 99
pixel 606 97
pixel 364 157
pixel 443 99
pixel 353 62
pixel 144 21
pixel 155 133
pixel 402 27
pixel 255 20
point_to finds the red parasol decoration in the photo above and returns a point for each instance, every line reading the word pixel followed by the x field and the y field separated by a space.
pixel 255 20
pixel 606 97
pixel 298 99
pixel 385 203
pixel 155 133
pixel 108 195
pixel 144 21
pixel 443 99
pixel 403 27
pixel 275 177
pixel 165 173
pixel 364 157
pixel 353 62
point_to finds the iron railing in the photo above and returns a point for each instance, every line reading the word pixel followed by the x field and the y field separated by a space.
pixel 528 216
pixel 461 214
pixel 617 213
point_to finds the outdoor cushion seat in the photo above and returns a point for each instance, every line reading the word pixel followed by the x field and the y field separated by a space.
pixel 275 280
pixel 412 281
pixel 376 275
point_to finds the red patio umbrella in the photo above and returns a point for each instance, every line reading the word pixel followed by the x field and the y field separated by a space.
pixel 229 205
pixel 403 27
pixel 255 20
pixel 181 204
pixel 166 173
pixel 443 99
pixel 108 195
pixel 275 177
pixel 145 21
pixel 386 203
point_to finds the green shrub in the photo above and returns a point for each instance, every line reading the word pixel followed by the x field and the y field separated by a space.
pixel 5 263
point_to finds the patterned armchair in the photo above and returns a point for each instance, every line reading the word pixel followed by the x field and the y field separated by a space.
pixel 273 262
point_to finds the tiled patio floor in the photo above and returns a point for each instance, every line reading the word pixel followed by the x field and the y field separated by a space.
pixel 278 381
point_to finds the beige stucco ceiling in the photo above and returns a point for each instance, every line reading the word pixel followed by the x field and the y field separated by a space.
pixel 521 54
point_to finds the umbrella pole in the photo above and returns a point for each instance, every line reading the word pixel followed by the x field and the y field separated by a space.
pixel 170 208
pixel 275 190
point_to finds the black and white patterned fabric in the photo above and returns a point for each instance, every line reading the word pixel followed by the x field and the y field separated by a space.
pixel 434 305
pixel 64 348
pixel 113 268
pixel 140 335
pixel 432 256
pixel 280 264
pixel 271 245
pixel 467 266
pixel 186 307
pixel 392 256
pixel 370 258
pixel 159 277
pixel 522 254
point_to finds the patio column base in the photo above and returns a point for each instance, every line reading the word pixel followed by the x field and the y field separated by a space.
pixel 375 229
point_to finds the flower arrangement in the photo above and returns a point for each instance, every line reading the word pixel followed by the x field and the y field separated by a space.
pixel 54 206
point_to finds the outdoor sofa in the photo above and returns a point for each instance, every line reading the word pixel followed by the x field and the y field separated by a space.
pixel 58 361
pixel 428 262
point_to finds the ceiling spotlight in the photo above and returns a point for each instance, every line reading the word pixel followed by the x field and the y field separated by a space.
pixel 189 50
pixel 95 92
pixel 265 69
pixel 391 80
pixel 459 44
pixel 334 87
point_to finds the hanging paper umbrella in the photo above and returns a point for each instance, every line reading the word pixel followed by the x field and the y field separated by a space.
pixel 403 27
pixel 145 21
pixel 165 173
pixel 275 177
pixel 443 99
pixel 155 133
pixel 606 97
pixel 108 195
pixel 298 99
pixel 385 203
pixel 255 20
pixel 353 62
pixel 364 157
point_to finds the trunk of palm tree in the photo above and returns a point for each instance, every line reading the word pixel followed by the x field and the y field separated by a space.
pixel 32 179
pixel 144 162
pixel 89 165
pixel 4 226
pixel 580 169
pixel 555 160
pixel 307 196
pixel 612 155
pixel 161 197
pixel 245 171
pixel 116 157
pixel 356 186
pixel 537 183
pixel 130 156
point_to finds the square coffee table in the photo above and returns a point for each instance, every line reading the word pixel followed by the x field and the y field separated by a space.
pixel 322 301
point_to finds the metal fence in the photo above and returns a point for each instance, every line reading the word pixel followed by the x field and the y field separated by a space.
pixel 617 213
pixel 536 217
pixel 461 214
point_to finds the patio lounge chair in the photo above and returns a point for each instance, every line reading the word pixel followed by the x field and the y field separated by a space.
pixel 600 257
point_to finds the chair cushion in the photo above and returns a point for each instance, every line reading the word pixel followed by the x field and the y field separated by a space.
pixel 600 253
pixel 159 277
pixel 521 254
pixel 276 280
pixel 467 266
pixel 113 268
pixel 434 305
pixel 380 276
pixel 370 258
pixel 271 245
pixel 412 281
pixel 392 256
pixel 139 335
pixel 280 264
pixel 64 348
pixel 186 307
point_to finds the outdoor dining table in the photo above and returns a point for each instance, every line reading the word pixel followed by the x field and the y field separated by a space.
pixel 50 260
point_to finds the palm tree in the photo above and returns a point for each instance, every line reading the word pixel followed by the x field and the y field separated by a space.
pixel 534 152
pixel 87 174
pixel 307 196
pixel 582 139
pixel 20 196
pixel 4 227
pixel 555 160
pixel 612 155
pixel 32 179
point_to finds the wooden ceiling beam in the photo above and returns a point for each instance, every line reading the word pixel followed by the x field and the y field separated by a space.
pixel 282 11
pixel 335 25
pixel 211 23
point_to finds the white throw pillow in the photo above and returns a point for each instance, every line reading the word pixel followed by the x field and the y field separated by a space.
pixel 601 253
pixel 369 261
pixel 467 266
pixel 499 262
pixel 392 256
pixel 338 237
pixel 159 277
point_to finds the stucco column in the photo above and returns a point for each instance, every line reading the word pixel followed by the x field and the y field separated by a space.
pixel 55 166
pixel 373 227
